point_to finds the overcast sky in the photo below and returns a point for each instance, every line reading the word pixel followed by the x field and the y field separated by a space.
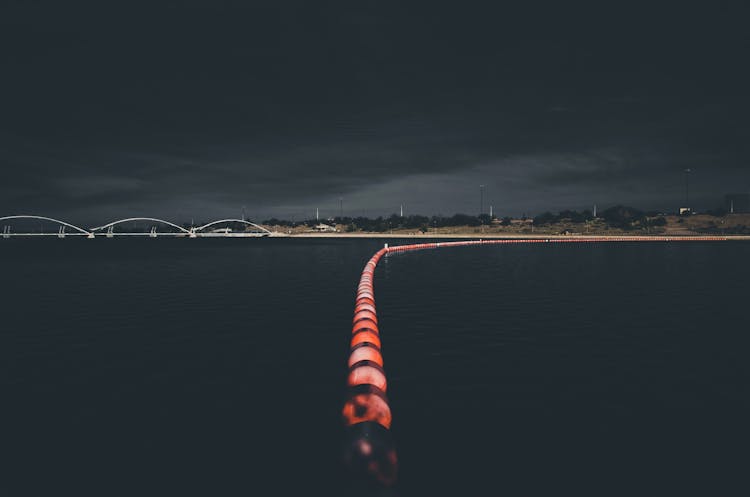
pixel 195 109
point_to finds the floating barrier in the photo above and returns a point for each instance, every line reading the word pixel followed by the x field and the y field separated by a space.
pixel 369 450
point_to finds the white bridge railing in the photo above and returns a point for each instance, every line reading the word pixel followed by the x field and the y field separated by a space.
pixel 108 230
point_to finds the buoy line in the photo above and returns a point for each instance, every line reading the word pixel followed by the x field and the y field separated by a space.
pixel 369 450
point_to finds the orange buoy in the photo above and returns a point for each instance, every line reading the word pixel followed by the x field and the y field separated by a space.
pixel 365 351
pixel 365 324
pixel 364 306
pixel 367 373
pixel 365 336
pixel 367 407
pixel 365 314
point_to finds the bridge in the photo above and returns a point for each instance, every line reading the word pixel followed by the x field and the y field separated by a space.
pixel 256 231
pixel 142 226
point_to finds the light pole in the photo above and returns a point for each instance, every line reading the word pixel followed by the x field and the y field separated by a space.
pixel 687 188
pixel 481 199
pixel 341 207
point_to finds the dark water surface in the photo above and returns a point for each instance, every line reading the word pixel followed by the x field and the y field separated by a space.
pixel 216 367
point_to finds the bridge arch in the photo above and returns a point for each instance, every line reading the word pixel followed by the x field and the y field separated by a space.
pixel 220 221
pixel 121 221
pixel 43 218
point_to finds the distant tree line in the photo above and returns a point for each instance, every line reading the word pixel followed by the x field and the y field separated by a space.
pixel 619 216
pixel 383 224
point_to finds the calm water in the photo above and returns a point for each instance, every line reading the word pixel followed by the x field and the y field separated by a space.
pixel 216 367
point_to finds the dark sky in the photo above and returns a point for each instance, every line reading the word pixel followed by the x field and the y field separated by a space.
pixel 195 109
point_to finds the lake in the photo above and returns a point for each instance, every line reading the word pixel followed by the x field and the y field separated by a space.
pixel 217 366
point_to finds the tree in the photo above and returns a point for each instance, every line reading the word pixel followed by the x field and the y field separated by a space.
pixel 462 220
pixel 485 219
pixel 545 218
pixel 415 221
pixel 623 217
pixel 654 221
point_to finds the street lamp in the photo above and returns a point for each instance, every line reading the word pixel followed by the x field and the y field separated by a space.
pixel 687 188
pixel 481 199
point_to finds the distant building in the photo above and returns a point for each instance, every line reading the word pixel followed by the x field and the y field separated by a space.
pixel 737 203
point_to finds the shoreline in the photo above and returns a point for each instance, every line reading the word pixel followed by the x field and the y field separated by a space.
pixel 413 236
pixel 488 236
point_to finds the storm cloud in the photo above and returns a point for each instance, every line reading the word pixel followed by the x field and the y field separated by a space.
pixel 198 109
